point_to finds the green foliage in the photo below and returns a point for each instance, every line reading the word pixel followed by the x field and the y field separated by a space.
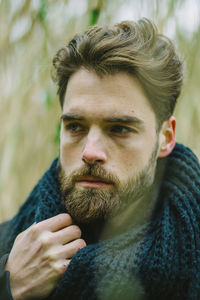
pixel 94 16
pixel 48 99
pixel 57 134
pixel 43 10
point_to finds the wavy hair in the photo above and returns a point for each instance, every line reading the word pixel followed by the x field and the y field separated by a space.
pixel 132 47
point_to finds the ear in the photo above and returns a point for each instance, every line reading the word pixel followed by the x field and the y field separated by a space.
pixel 167 137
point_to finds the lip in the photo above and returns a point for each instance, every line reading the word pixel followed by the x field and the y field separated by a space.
pixel 93 182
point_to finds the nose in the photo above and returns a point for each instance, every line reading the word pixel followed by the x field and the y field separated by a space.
pixel 93 152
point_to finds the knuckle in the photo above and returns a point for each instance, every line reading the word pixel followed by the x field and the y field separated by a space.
pixel 58 268
pixel 35 229
pixel 45 239
pixel 51 256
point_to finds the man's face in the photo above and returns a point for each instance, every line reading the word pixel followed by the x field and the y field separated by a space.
pixel 109 144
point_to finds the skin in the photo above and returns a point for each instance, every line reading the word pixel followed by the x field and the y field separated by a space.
pixel 121 147
pixel 40 266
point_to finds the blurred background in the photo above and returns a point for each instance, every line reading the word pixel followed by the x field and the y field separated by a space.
pixel 30 34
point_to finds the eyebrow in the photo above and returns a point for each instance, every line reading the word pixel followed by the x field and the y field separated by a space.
pixel 71 117
pixel 125 119
pixel 120 119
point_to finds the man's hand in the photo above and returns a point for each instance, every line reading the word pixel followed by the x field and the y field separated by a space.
pixel 40 255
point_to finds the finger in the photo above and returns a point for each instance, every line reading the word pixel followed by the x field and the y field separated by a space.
pixel 66 234
pixel 69 250
pixel 55 223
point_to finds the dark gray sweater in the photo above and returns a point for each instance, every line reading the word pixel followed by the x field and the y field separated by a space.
pixel 160 262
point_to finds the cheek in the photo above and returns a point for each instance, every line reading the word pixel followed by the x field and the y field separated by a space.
pixel 125 163
pixel 70 156
pixel 134 158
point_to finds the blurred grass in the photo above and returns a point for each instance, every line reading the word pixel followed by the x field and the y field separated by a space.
pixel 30 34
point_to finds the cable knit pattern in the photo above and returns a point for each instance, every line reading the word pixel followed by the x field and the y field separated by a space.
pixel 160 261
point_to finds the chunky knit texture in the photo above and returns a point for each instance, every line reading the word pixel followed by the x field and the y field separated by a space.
pixel 162 262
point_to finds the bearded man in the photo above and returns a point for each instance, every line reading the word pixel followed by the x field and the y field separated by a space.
pixel 117 214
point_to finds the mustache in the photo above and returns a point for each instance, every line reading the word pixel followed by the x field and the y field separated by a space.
pixel 93 171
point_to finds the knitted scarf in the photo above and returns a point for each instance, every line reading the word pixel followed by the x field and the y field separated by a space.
pixel 164 265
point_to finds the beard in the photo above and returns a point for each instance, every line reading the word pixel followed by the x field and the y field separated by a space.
pixel 86 205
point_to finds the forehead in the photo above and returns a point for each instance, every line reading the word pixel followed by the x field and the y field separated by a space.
pixel 106 96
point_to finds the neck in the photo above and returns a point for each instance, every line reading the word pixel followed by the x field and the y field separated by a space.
pixel 136 214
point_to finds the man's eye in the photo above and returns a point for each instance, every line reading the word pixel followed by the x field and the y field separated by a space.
pixel 74 127
pixel 120 129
